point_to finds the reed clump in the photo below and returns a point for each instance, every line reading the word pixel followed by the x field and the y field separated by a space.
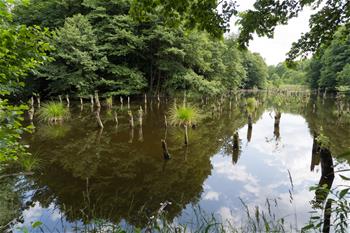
pixel 53 112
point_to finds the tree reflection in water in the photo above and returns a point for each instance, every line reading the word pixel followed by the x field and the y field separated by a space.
pixel 93 174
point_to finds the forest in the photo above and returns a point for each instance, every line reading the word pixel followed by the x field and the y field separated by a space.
pixel 89 89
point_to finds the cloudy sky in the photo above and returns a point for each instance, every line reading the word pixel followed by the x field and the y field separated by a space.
pixel 274 50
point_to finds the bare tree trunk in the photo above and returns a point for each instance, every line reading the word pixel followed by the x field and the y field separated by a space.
pixel 166 154
pixel 99 122
pixel 32 101
pixel 140 116
pixel 38 100
pixel 68 102
pixel 276 130
pixel 145 98
pixel 131 135
pixel 81 101
pixel 97 100
pixel 116 118
pixel 165 121
pixel 92 100
pixel 235 141
pixel 60 98
pixel 131 119
pixel 250 128
pixel 186 135
pixel 128 102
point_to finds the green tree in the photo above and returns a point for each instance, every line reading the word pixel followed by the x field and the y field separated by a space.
pixel 77 58
pixel 257 71
pixel 21 50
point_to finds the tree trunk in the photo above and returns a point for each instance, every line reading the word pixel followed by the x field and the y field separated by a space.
pixel 99 122
pixel 60 98
pixel 276 130
pixel 131 119
pixel 186 135
pixel 116 118
pixel 166 154
pixel 235 141
pixel 97 100
pixel 92 100
pixel 68 102
pixel 38 100
pixel 140 116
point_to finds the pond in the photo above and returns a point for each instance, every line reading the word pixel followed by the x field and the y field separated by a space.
pixel 89 179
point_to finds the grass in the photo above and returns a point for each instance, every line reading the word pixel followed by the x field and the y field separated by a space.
pixel 53 112
pixel 184 115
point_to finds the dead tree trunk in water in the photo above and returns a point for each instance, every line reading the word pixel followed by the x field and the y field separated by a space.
pixel 131 119
pixel 235 141
pixel 250 128
pixel 98 118
pixel 128 102
pixel 140 116
pixel 165 121
pixel 276 130
pixel 68 102
pixel 186 134
pixel 97 100
pixel 60 98
pixel 166 154
pixel 38 100
pixel 92 100
pixel 116 117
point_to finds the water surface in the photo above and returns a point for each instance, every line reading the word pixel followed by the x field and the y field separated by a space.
pixel 117 175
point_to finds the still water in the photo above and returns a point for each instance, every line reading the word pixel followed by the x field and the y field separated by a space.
pixel 87 177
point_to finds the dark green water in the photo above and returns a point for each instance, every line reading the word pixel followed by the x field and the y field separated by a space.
pixel 118 175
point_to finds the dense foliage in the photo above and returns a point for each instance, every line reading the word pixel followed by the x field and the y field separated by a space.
pixel 101 46
pixel 21 49
pixel 330 69
pixel 281 74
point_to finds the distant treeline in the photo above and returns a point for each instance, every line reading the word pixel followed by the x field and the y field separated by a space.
pixel 329 69
pixel 99 45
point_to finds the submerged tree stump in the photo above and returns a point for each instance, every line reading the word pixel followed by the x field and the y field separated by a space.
pixel 166 154
pixel 60 98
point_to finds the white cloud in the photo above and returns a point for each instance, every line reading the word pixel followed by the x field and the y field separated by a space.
pixel 211 195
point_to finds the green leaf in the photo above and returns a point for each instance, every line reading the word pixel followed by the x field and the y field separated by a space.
pixel 37 224
pixel 343 193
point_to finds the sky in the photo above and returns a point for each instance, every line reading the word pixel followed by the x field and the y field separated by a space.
pixel 274 50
